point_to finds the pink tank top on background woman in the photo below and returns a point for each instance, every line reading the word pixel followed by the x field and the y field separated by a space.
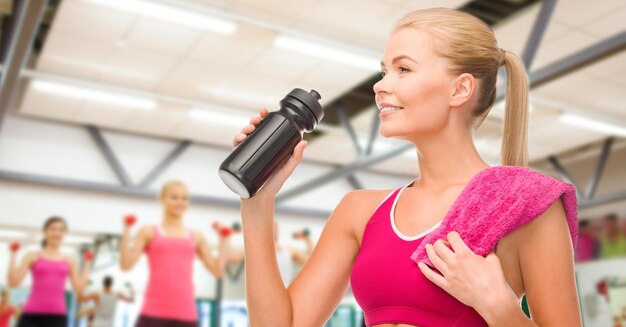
pixel 47 294
pixel 170 293
pixel 389 286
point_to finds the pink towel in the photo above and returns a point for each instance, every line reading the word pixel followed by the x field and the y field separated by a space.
pixel 497 201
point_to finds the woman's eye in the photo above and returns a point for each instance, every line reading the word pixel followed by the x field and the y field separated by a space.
pixel 382 74
pixel 404 70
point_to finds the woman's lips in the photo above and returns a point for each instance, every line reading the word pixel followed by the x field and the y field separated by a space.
pixel 388 110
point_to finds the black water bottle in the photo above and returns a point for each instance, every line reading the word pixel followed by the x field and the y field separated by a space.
pixel 271 144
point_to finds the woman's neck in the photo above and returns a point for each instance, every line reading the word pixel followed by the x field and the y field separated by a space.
pixel 446 160
pixel 53 249
pixel 171 221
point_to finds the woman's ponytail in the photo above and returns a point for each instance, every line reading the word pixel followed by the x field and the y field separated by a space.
pixel 514 150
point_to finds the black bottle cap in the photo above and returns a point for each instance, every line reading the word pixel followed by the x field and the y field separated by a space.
pixel 316 95
pixel 310 100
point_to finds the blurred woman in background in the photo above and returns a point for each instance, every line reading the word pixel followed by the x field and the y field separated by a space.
pixel 171 249
pixel 49 268
pixel 7 311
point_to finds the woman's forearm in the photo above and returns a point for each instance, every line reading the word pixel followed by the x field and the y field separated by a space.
pixel 214 265
pixel 124 250
pixel 12 271
pixel 84 276
pixel 222 256
pixel 267 298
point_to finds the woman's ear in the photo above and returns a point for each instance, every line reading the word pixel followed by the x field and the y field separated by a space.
pixel 464 86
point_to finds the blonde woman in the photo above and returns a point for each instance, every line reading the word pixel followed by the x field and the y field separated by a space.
pixel 171 249
pixel 438 82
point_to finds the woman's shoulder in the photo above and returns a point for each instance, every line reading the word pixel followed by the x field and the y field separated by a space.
pixel 197 234
pixel 514 172
pixel 361 204
pixel 518 178
pixel 146 231
pixel 32 256
pixel 540 197
pixel 69 258
pixel 364 198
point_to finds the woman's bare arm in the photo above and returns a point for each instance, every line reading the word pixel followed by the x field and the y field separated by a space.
pixel 213 264
pixel 130 251
pixel 16 274
pixel 79 278
pixel 547 263
pixel 321 284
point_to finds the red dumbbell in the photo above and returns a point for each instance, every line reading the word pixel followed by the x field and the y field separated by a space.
pixel 88 256
pixel 226 231
pixel 130 220
pixel 15 246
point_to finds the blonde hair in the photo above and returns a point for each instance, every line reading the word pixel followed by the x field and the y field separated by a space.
pixel 168 184
pixel 472 48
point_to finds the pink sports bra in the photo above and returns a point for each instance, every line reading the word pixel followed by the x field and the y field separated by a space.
pixel 389 286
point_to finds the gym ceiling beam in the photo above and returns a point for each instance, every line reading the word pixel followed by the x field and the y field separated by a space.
pixel 26 17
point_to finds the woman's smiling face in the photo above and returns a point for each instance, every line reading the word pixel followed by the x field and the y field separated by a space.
pixel 414 93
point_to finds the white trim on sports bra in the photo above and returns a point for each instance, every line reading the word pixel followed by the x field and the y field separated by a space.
pixel 395 228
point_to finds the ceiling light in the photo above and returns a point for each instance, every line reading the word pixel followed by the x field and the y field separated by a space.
pixel 11 233
pixel 101 68
pixel 94 95
pixel 171 14
pixel 319 50
pixel 211 115
pixel 240 96
pixel 592 124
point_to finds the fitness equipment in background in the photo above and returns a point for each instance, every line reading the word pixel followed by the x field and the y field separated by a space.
pixel 302 233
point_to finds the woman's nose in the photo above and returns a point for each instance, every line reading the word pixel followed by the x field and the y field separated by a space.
pixel 382 86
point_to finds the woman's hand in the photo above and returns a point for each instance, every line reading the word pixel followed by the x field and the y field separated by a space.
pixel 474 280
pixel 274 184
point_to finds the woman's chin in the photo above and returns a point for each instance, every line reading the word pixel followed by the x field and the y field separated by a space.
pixel 177 214
pixel 390 132
pixel 387 132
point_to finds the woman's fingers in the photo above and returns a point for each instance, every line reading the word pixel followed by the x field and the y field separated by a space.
pixel 256 120
pixel 248 129
pixel 457 244
pixel 238 139
pixel 431 275
pixel 275 183
pixel 436 259
pixel 292 162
